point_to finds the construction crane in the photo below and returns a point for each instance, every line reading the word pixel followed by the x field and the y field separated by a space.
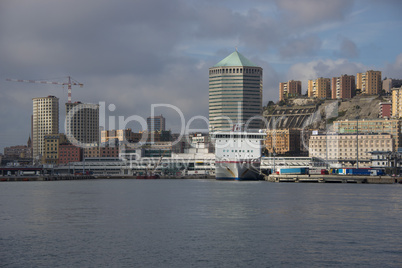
pixel 71 82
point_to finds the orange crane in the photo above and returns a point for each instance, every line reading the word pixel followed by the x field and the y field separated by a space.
pixel 71 82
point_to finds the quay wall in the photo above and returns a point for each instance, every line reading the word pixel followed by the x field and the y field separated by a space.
pixel 46 178
pixel 333 179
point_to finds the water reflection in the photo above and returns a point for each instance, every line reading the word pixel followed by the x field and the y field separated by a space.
pixel 198 223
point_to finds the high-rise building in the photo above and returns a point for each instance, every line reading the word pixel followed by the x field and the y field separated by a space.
pixel 369 83
pixel 51 151
pixel 82 123
pixel 319 88
pixel 156 123
pixel 343 87
pixel 289 89
pixel 45 121
pixel 235 93
pixel 389 83
pixel 397 102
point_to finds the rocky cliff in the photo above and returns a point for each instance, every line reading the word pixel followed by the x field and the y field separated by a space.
pixel 322 112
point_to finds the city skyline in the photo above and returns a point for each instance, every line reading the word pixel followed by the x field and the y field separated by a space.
pixel 133 55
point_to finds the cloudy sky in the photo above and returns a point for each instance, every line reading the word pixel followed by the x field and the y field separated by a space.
pixel 131 54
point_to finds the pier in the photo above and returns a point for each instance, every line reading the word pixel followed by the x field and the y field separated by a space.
pixel 47 178
pixel 333 179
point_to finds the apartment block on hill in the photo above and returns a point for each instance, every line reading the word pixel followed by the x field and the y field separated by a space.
pixel 369 83
pixel 389 83
pixel 290 89
pixel 343 87
pixel 397 102
pixel 319 88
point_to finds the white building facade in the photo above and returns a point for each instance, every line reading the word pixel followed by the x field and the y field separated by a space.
pixel 348 147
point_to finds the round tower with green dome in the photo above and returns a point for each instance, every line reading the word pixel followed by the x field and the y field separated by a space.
pixel 235 93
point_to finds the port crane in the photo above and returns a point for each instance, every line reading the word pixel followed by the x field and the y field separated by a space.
pixel 71 82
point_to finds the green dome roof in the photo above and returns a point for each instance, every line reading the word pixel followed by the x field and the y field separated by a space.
pixel 235 59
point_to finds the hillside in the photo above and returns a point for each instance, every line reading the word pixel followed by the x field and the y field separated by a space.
pixel 323 112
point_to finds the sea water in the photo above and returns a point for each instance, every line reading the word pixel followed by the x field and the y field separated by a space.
pixel 199 223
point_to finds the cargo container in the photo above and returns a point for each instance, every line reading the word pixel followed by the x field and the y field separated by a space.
pixel 357 171
pixel 334 171
pixel 317 171
pixel 361 171
pixel 377 172
pixel 341 171
pixel 293 171
pixel 352 171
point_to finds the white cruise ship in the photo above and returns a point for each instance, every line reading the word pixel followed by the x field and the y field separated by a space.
pixel 238 154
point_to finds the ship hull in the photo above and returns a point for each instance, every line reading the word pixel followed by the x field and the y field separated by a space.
pixel 237 170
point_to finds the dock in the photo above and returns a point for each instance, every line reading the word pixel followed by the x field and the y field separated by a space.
pixel 46 178
pixel 333 179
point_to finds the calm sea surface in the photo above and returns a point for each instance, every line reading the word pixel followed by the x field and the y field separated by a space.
pixel 199 223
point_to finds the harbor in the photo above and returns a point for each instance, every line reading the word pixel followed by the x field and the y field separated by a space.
pixel 274 178
pixel 237 157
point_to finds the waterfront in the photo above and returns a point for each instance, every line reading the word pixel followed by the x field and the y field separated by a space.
pixel 199 223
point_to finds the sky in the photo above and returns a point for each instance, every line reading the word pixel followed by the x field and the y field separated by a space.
pixel 135 55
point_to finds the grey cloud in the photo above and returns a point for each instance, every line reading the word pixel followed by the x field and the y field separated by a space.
pixel 304 13
pixel 252 29
pixel 271 82
pixel 305 46
pixel 348 49
pixel 260 32
pixel 394 70
pixel 105 37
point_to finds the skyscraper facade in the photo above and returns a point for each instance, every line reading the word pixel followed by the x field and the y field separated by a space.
pixel 156 123
pixel 82 123
pixel 45 121
pixel 235 93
